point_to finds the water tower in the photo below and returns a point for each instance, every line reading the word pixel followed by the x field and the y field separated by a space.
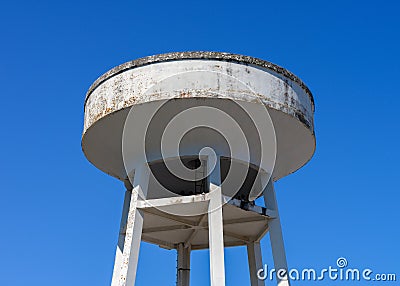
pixel 197 137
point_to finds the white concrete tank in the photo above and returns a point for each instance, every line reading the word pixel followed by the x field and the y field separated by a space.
pixel 193 135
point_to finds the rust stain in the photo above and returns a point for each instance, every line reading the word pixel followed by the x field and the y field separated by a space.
pixel 185 94
pixel 131 101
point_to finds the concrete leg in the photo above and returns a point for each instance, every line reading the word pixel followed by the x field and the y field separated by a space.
pixel 183 265
pixel 255 262
pixel 134 224
pixel 121 238
pixel 215 228
pixel 276 237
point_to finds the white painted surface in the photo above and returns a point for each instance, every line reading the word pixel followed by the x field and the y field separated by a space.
pixel 254 256
pixel 127 275
pixel 121 239
pixel 275 234
pixel 216 229
pixel 135 86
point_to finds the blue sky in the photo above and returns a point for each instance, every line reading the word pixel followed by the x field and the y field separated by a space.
pixel 59 215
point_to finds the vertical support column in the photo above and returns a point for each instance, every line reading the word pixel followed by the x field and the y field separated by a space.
pixel 121 237
pixel 130 254
pixel 276 237
pixel 216 227
pixel 255 262
pixel 183 271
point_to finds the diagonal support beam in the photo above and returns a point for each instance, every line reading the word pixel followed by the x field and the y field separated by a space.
pixel 200 224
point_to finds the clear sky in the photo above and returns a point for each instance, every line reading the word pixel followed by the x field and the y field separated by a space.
pixel 59 215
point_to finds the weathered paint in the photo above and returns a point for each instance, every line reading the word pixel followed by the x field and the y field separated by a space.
pixel 228 57
pixel 127 84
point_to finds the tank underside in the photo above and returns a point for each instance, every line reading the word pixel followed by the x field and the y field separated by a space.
pixel 102 144
pixel 243 223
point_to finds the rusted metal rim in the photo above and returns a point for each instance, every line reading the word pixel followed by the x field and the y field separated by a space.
pixel 227 57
